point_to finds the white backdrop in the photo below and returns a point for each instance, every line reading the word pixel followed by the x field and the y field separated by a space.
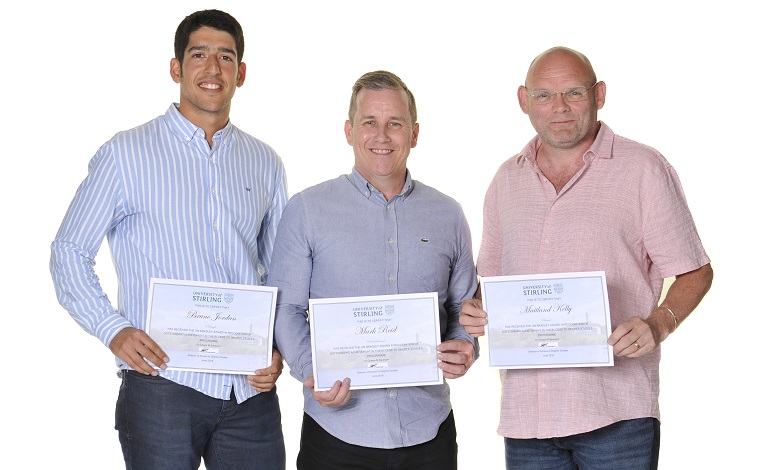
pixel 679 78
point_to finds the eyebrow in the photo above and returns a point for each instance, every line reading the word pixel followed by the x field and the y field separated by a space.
pixel 204 47
pixel 392 118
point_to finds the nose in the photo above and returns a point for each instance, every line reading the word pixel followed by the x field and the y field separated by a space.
pixel 560 102
pixel 212 65
pixel 382 134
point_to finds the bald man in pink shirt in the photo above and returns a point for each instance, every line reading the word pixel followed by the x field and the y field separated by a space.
pixel 580 198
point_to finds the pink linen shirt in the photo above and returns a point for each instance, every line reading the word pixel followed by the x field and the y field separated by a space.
pixel 624 213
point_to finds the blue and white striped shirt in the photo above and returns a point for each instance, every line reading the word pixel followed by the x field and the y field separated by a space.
pixel 171 207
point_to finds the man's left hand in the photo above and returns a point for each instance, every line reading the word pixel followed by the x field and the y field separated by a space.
pixel 456 356
pixel 265 379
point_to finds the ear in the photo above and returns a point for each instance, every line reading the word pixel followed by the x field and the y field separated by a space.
pixel 600 94
pixel 241 74
pixel 175 69
pixel 415 134
pixel 349 131
pixel 522 98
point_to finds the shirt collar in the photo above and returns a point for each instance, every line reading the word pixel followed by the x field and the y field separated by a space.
pixel 187 131
pixel 364 186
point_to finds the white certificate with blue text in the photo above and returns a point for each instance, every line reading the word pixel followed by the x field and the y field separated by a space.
pixel 376 341
pixel 547 320
pixel 212 327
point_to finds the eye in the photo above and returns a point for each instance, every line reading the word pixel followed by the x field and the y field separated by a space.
pixel 394 125
pixel 226 57
pixel 541 95
pixel 368 123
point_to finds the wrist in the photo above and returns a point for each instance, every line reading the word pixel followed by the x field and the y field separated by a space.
pixel 669 312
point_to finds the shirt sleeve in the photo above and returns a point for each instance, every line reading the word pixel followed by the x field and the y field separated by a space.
pixel 291 273
pixel 489 258
pixel 462 284
pixel 270 222
pixel 669 233
pixel 94 211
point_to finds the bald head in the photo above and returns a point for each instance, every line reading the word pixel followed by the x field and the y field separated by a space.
pixel 548 62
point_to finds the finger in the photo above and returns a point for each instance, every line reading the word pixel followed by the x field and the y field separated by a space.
pixel 271 370
pixel 129 345
pixel 261 383
pixel 151 351
pixel 621 330
pixel 473 320
pixel 338 394
pixel 452 370
pixel 137 362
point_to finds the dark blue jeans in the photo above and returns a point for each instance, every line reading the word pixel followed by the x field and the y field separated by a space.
pixel 625 445
pixel 166 426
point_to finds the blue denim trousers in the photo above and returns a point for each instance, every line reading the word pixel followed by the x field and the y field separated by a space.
pixel 166 426
pixel 625 445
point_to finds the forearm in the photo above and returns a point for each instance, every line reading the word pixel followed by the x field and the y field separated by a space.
pixel 683 296
pixel 79 292
pixel 292 335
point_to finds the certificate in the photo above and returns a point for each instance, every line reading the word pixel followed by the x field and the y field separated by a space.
pixel 549 320
pixel 376 341
pixel 212 327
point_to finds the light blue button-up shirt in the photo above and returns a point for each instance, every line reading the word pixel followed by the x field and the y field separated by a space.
pixel 171 207
pixel 342 238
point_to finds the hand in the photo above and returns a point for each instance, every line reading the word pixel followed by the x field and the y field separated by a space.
pixel 338 395
pixel 456 356
pixel 265 379
pixel 473 318
pixel 135 347
pixel 633 338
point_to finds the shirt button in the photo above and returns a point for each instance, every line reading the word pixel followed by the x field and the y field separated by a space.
pixel 392 393
pixel 215 225
pixel 388 207
pixel 390 241
pixel 218 259
pixel 213 190
pixel 390 278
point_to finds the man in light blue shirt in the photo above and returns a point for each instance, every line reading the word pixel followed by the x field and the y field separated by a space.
pixel 186 196
pixel 375 231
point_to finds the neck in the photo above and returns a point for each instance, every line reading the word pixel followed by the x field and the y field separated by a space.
pixel 559 166
pixel 211 123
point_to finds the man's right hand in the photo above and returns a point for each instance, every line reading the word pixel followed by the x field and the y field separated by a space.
pixel 338 395
pixel 473 318
pixel 135 347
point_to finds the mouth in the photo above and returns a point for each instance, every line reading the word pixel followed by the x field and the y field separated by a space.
pixel 210 86
pixel 382 151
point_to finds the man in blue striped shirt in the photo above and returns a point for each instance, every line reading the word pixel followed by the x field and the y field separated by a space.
pixel 186 196
pixel 375 231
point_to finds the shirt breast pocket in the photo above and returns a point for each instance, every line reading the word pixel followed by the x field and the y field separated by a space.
pixel 429 263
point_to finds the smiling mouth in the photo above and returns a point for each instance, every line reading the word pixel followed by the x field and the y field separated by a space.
pixel 382 151
pixel 210 86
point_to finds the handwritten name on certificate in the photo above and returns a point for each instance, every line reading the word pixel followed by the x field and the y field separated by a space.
pixel 550 320
pixel 212 327
pixel 376 341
